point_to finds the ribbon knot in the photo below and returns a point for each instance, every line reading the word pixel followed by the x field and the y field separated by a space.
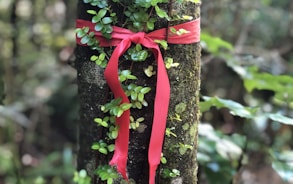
pixel 137 37
pixel 122 39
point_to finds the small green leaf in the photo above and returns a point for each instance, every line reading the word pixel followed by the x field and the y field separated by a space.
pixel 119 113
pixel 101 13
pixel 95 146
pixel 163 43
pixel 132 77
pixel 133 95
pixel 111 147
pixel 103 150
pixel 144 103
pixel 139 55
pixel 138 47
pixel 125 106
pixel 122 78
pixel 281 119
pixel 150 25
pixel 94 58
pixel 141 119
pixel 108 29
pixel 85 39
pixel 80 33
pixel 99 26
pixel 137 88
pixel 96 19
pixel 140 97
pixel 145 90
pixel 110 181
pixel 163 160
pixel 98 120
pixel 102 56
pixel 92 12
pixel 107 20
pixel 161 13
pixel 176 172
pixel 173 30
pixel 114 134
pixel 138 105
pixel 149 71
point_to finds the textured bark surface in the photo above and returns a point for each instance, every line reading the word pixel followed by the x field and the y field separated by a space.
pixel 185 81
pixel 185 86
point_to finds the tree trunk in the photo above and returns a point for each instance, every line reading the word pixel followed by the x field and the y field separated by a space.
pixel 179 151
pixel 184 107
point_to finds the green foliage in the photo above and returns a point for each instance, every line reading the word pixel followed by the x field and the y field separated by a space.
pixel 98 3
pixel 163 159
pixel 183 148
pixel 100 60
pixel 170 173
pixel 169 63
pixel 281 85
pixel 115 108
pixel 103 147
pixel 234 107
pixel 161 13
pixel 106 173
pixel 81 177
pixel 214 44
pixel 125 75
pixel 137 53
pixel 237 109
pixel 169 132
pixel 282 163
pixel 163 43
pixel 88 38
pixel 103 22
pixel 137 94
pixel 149 71
pixel 219 154
pixel 268 97
pixel 134 123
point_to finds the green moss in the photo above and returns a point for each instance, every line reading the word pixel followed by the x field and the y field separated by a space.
pixel 185 126
pixel 181 107
pixel 193 129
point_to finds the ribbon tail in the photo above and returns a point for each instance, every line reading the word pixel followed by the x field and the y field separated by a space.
pixel 160 116
pixel 119 158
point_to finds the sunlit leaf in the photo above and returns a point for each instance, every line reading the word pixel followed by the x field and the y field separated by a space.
pixel 281 119
pixel 214 44
pixel 235 108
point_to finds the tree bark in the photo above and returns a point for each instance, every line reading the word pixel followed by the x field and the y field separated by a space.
pixel 185 85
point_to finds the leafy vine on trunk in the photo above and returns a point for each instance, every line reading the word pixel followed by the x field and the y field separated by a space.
pixel 137 16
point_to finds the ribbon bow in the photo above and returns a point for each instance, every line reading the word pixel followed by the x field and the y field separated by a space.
pixel 122 38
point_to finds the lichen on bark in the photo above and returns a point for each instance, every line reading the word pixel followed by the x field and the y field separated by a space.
pixel 185 86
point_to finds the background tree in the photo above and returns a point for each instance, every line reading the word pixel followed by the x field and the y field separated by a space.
pixel 180 144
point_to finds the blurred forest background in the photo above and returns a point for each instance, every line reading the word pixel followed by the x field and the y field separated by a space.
pixel 247 92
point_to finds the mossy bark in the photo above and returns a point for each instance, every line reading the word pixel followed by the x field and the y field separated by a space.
pixel 185 82
pixel 184 112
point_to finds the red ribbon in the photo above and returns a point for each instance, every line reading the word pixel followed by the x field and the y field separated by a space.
pixel 122 38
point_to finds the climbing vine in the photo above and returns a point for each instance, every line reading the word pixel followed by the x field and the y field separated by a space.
pixel 139 16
